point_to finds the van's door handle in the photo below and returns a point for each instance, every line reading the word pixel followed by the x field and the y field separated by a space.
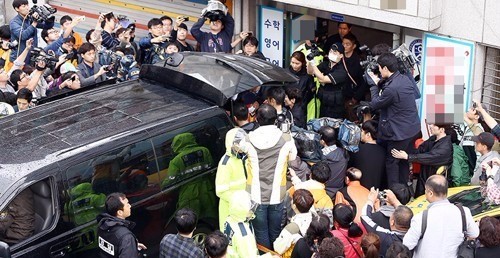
pixel 60 253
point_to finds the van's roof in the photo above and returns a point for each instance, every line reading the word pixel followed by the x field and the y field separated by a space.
pixel 31 138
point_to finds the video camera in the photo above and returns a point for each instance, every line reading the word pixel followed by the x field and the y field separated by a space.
pixel 406 60
pixel 314 51
pixel 111 59
pixel 370 64
pixel 45 12
pixel 38 54
pixel 128 68
pixel 214 11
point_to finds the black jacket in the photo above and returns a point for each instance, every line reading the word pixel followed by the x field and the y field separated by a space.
pixel 337 162
pixel 431 154
pixel 398 111
pixel 115 232
pixel 331 94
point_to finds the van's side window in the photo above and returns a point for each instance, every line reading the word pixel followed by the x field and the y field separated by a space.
pixel 130 170
pixel 190 150
pixel 29 213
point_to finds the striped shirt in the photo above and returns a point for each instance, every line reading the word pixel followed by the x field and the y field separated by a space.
pixel 108 40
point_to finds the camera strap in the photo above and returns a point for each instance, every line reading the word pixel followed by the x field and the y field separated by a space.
pixel 348 74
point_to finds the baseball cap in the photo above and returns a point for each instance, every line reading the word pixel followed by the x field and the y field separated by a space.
pixel 337 47
pixel 485 138
pixel 184 26
pixel 131 26
pixel 67 67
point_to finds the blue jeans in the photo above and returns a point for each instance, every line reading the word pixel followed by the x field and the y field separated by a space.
pixel 268 223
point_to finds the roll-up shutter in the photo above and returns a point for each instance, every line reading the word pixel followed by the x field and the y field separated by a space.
pixel 491 86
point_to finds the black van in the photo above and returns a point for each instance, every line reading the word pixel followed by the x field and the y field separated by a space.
pixel 157 139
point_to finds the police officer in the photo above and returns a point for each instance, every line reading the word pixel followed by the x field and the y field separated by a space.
pixel 115 236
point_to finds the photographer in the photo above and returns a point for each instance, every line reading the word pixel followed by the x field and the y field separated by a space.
pixel 108 25
pixel 332 75
pixel 490 188
pixel 19 79
pixel 6 46
pixel 490 121
pixel 180 33
pixel 55 42
pixel 484 144
pixel 250 47
pixel 90 71
pixel 23 27
pixel 152 45
pixel 221 29
pixel 69 81
pixel 399 122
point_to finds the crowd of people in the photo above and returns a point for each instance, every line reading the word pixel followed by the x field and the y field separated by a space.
pixel 275 201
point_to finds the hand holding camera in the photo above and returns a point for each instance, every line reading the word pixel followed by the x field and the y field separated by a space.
pixel 373 195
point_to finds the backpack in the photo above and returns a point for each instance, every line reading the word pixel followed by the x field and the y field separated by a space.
pixel 350 136
pixel 307 142
pixel 316 124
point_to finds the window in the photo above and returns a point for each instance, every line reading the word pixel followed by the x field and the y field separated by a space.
pixel 29 213
pixel 130 170
pixel 491 85
pixel 190 150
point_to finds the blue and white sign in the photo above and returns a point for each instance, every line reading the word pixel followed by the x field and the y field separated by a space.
pixel 337 17
pixel 271 34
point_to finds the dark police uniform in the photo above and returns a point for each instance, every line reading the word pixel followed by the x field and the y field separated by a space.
pixel 115 238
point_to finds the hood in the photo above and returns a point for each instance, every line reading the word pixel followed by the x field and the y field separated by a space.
pixel 240 205
pixel 80 190
pixel 234 138
pixel 183 141
pixel 333 153
pixel 107 221
pixel 265 136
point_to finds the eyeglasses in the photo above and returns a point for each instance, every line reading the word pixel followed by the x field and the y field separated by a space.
pixel 53 31
pixel 157 27
pixel 23 76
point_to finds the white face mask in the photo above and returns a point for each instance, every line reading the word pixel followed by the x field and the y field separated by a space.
pixel 251 109
pixel 333 57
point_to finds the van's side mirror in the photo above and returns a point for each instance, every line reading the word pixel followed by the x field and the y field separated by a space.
pixel 175 59
pixel 4 250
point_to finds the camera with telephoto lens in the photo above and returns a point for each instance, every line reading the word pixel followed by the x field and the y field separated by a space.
pixel 8 44
pixel 370 64
pixel 314 51
pixel 45 12
pixel 215 11
pixel 283 123
pixel 38 54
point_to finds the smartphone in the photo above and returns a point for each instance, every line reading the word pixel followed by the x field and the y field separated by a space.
pixel 250 34
pixel 474 105
pixel 186 18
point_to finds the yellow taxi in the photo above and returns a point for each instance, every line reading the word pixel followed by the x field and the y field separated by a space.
pixel 469 196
